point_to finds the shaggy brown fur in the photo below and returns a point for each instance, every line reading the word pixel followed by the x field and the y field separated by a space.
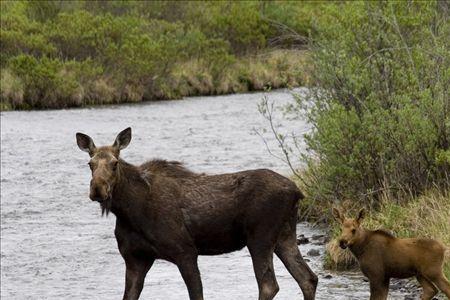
pixel 167 168
pixel 382 256
pixel 164 211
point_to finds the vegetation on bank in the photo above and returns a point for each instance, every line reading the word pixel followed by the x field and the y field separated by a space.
pixel 379 106
pixel 58 54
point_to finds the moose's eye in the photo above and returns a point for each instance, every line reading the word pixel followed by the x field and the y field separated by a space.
pixel 353 231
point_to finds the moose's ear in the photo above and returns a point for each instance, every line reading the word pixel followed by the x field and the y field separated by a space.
pixel 85 143
pixel 123 139
pixel 337 214
pixel 361 215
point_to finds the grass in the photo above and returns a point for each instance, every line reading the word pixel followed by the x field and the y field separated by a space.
pixel 274 69
pixel 425 216
pixel 11 88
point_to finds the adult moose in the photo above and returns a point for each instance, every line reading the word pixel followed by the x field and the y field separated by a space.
pixel 164 211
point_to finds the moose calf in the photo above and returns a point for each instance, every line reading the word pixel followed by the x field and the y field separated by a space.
pixel 381 256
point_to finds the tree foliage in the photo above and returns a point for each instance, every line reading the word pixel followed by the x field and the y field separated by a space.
pixel 380 101
pixel 127 49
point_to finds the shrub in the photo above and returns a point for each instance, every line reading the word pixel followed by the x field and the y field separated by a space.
pixel 72 53
pixel 51 83
pixel 12 90
pixel 379 103
pixel 19 34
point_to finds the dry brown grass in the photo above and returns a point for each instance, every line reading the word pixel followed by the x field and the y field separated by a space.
pixel 102 91
pixel 12 90
pixel 339 259
pixel 274 69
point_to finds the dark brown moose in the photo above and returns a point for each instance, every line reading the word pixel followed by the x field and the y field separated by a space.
pixel 164 211
pixel 381 256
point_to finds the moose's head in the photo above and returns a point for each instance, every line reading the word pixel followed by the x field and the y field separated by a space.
pixel 104 164
pixel 352 232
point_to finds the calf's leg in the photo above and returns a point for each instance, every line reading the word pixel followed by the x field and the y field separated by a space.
pixel 379 289
pixel 191 275
pixel 429 290
pixel 442 283
pixel 289 254
pixel 262 257
pixel 136 269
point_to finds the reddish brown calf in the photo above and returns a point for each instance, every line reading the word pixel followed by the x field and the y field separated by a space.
pixel 381 256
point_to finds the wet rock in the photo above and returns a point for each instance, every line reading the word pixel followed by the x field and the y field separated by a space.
pixel 313 252
pixel 316 237
pixel 301 240
pixel 396 286
pixel 320 239
pixel 365 279
pixel 328 276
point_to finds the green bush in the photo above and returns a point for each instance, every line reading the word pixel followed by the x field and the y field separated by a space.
pixel 19 34
pixel 74 53
pixel 380 101
pixel 51 83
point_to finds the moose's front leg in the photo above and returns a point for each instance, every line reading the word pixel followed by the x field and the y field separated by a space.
pixel 379 288
pixel 135 276
pixel 191 275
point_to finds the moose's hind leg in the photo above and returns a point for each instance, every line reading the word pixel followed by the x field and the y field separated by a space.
pixel 429 290
pixel 262 257
pixel 442 283
pixel 289 254
pixel 191 275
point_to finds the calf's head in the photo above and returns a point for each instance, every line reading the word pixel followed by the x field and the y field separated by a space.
pixel 103 163
pixel 352 231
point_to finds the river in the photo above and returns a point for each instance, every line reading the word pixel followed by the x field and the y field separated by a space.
pixel 56 245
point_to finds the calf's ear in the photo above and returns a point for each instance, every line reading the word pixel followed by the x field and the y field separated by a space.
pixel 337 214
pixel 361 215
pixel 85 143
pixel 123 139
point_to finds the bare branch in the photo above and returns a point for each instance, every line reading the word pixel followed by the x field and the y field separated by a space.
pixel 266 109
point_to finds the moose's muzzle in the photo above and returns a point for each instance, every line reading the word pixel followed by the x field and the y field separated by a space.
pixel 343 244
pixel 100 190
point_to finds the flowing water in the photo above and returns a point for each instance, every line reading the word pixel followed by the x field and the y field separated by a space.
pixel 56 245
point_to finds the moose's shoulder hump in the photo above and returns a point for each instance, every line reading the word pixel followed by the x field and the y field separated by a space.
pixel 384 232
pixel 167 168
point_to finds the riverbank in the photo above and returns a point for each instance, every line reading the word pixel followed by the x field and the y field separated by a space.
pixel 83 53
pixel 270 69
